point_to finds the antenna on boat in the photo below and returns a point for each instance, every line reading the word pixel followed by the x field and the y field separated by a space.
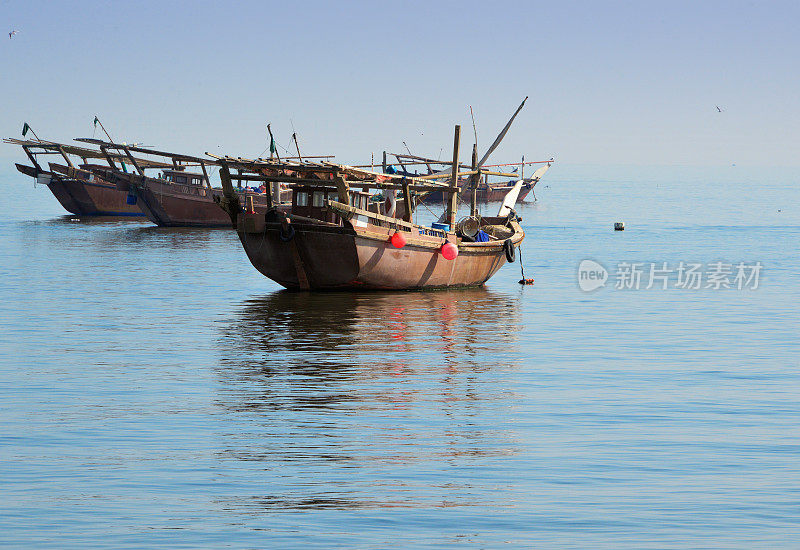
pixel 474 129
pixel 406 146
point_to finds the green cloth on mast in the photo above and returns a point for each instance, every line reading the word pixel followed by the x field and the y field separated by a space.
pixel 25 129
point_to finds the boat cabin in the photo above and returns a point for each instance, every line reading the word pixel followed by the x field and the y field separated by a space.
pixel 311 201
pixel 183 178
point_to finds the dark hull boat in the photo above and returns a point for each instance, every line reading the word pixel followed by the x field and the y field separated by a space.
pixel 91 195
pixel 55 185
pixel 75 184
pixel 334 238
pixel 177 197
pixel 330 256
pixel 180 199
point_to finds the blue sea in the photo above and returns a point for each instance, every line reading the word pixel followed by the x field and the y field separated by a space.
pixel 157 392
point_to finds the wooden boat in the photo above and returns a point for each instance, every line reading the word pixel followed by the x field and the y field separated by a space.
pixel 175 196
pixel 55 185
pixel 75 185
pixel 334 238
pixel 94 195
pixel 486 191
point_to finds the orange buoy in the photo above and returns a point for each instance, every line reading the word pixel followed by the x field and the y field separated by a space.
pixel 397 240
pixel 449 251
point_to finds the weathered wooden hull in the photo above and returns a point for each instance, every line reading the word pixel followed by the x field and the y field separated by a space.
pixel 166 207
pixel 83 194
pixel 177 205
pixel 54 184
pixel 330 257
pixel 64 196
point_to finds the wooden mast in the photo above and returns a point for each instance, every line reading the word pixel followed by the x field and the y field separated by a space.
pixel 473 182
pixel 297 145
pixel 275 188
pixel 230 201
pixel 452 203
pixel 205 175
pixel 408 202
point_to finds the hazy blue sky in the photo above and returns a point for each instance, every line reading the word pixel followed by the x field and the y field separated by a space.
pixel 609 82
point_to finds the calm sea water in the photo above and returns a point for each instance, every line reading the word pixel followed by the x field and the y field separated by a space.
pixel 157 392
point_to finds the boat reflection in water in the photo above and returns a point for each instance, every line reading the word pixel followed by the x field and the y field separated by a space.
pixel 354 400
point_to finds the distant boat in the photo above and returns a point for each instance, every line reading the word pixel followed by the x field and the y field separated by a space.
pixel 176 197
pixel 485 191
pixel 75 186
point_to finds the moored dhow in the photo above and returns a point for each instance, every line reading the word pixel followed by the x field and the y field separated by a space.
pixel 334 238
pixel 176 196
pixel 486 191
pixel 74 184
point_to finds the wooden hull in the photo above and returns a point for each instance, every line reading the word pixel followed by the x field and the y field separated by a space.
pixel 85 194
pixel 55 185
pixel 176 205
pixel 170 208
pixel 331 257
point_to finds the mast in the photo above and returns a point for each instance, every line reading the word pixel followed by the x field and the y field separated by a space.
pixel 275 190
pixel 297 145
pixel 97 121
pixel 473 183
pixel 452 204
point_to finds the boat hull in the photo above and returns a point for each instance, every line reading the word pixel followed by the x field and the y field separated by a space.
pixel 168 208
pixel 82 193
pixel 55 185
pixel 178 205
pixel 332 257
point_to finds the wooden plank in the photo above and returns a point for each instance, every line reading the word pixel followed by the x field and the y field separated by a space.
pixel 346 208
pixel 133 161
pixel 33 159
pixel 231 200
pixel 66 158
pixel 205 175
pixel 297 181
pixel 408 202
pixel 342 188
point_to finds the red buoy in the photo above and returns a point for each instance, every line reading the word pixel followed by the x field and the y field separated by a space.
pixel 397 240
pixel 449 251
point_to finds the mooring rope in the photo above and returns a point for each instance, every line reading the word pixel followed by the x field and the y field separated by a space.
pixel 523 281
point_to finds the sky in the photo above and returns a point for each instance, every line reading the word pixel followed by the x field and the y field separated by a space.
pixel 609 83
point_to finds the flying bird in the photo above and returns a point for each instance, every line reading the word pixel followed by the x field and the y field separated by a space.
pixel 12 33
pixel 718 109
